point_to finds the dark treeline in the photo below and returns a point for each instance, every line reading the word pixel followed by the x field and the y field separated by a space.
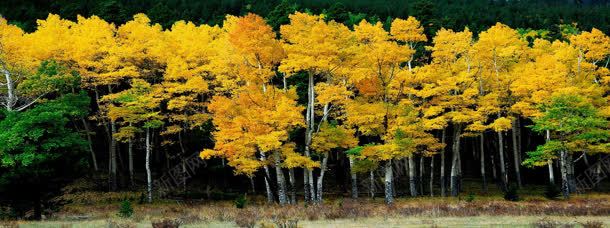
pixel 454 14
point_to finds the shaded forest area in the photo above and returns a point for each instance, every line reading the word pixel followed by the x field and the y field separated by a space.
pixel 347 99
pixel 452 14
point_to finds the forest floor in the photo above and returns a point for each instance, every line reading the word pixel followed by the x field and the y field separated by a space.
pixel 588 210
pixel 470 209
pixel 416 221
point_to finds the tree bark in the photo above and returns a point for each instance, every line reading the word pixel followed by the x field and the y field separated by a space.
pixel 372 183
pixel 493 166
pixel 442 172
pixel 293 187
pixel 516 151
pixel 389 196
pixel 354 178
pixel 412 176
pixel 130 155
pixel 306 186
pixel 11 98
pixel 482 160
pixel 550 162
pixel 320 183
pixel 252 186
pixel 281 181
pixel 263 158
pixel 182 155
pixel 112 168
pixel 112 163
pixel 148 172
pixel 431 183
pixel 455 160
pixel 420 180
pixel 571 177
pixel 503 174
pixel 91 151
pixel 268 189
pixel 310 125
pixel 565 189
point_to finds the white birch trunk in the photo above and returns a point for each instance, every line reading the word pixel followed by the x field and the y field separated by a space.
pixel 442 172
pixel 482 160
pixel 389 196
pixel 516 151
pixel 412 176
pixel 281 181
pixel 455 161
pixel 354 178
pixel 503 174
pixel 550 162
pixel 148 172
pixel 319 191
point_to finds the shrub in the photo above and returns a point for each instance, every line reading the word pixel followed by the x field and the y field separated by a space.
pixel 511 193
pixel 125 210
pixel 241 201
pixel 470 197
pixel 552 192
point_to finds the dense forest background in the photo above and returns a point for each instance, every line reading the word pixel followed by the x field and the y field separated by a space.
pixel 217 180
pixel 455 14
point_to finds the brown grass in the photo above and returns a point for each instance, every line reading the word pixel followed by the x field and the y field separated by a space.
pixel 225 211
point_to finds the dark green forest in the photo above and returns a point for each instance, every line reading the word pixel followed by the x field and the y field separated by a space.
pixel 454 14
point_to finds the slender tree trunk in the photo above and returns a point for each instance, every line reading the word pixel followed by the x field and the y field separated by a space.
pixel 412 176
pixel 372 183
pixel 310 125
pixel 319 191
pixel 268 189
pixel 431 183
pixel 354 178
pixel 420 180
pixel 112 178
pixel 11 97
pixel 306 186
pixel 293 187
pixel 459 171
pixel 571 178
pixel 182 155
pixel 493 166
pixel 564 175
pixel 389 196
pixel 598 167
pixel 267 179
pixel 503 174
pixel 455 161
pixel 130 155
pixel 442 172
pixel 91 151
pixel 148 172
pixel 482 160
pixel 516 151
pixel 550 162
pixel 281 181
pixel 112 163
pixel 252 185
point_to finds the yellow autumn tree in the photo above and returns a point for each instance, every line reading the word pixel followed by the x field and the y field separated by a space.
pixel 321 50
pixel 263 115
pixel 498 50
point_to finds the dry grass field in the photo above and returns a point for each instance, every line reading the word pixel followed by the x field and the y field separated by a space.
pixel 590 210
